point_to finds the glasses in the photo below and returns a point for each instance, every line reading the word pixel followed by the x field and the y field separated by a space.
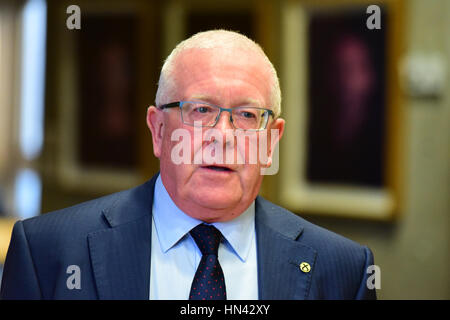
pixel 207 115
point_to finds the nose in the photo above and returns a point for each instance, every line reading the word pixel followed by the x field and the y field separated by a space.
pixel 225 125
pixel 225 121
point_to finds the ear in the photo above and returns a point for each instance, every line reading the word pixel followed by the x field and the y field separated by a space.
pixel 274 138
pixel 155 122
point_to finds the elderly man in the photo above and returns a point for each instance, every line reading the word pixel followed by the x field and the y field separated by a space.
pixel 198 229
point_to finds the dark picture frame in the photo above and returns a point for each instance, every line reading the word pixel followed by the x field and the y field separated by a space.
pixel 105 79
pixel 342 151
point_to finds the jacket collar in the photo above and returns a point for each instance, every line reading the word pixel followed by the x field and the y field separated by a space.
pixel 136 203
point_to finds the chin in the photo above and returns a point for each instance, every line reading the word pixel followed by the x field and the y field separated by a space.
pixel 217 200
pixel 216 206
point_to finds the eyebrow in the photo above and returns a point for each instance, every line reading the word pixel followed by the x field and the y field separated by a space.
pixel 209 99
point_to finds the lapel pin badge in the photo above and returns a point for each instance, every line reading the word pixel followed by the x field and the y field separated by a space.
pixel 305 267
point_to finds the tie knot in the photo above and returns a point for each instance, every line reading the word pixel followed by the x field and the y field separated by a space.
pixel 207 238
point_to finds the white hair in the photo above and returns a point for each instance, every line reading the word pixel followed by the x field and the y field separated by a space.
pixel 207 40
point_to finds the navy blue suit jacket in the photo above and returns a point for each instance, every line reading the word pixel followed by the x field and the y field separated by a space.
pixel 109 239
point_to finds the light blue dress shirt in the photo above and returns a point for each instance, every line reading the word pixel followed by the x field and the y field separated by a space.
pixel 175 256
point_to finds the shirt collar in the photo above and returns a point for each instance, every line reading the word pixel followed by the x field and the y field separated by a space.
pixel 172 224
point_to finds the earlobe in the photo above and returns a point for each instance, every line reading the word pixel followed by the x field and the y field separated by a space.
pixel 269 161
pixel 156 125
pixel 276 132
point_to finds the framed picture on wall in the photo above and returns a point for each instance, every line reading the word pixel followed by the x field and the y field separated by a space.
pixel 342 104
pixel 107 75
pixel 106 131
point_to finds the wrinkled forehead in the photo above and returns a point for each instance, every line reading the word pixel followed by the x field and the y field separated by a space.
pixel 240 63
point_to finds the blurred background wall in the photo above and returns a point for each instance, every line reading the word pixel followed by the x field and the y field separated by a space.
pixel 125 43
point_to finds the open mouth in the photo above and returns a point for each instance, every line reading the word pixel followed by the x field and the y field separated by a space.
pixel 217 168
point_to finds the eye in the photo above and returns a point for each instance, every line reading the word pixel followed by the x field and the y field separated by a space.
pixel 247 115
pixel 202 109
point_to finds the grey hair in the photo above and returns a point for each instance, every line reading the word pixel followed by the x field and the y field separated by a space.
pixel 207 40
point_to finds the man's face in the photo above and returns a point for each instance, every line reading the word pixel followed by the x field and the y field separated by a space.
pixel 226 79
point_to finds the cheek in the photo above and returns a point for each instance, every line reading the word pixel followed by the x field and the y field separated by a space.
pixel 176 142
pixel 250 181
pixel 166 148
pixel 251 173
pixel 196 142
pixel 254 150
pixel 171 142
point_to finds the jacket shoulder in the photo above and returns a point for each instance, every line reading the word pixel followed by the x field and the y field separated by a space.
pixel 69 225
pixel 312 234
pixel 82 214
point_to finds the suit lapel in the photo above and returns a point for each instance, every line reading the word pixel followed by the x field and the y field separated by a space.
pixel 120 254
pixel 280 254
pixel 121 260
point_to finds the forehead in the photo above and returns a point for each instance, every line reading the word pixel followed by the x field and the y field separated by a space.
pixel 222 73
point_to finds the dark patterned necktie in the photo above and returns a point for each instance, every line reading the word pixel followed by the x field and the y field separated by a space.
pixel 208 283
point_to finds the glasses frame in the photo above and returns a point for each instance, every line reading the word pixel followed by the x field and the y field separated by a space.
pixel 229 110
